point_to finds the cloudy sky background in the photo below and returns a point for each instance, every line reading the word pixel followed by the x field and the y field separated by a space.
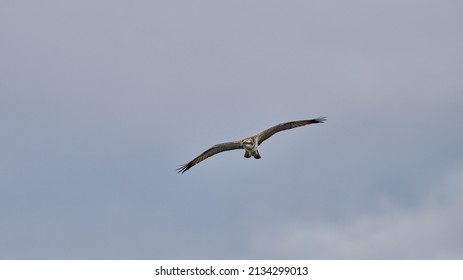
pixel 100 102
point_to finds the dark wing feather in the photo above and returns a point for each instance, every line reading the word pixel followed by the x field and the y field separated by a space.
pixel 210 152
pixel 264 135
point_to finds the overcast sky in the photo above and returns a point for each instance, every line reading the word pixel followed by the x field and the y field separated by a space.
pixel 100 102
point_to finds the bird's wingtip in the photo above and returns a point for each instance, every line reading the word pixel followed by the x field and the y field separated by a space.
pixel 320 120
pixel 183 168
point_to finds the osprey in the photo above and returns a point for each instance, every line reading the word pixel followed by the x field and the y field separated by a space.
pixel 249 144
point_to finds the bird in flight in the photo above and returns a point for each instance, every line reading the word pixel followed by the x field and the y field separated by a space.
pixel 249 144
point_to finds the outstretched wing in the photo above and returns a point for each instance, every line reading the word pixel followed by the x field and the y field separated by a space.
pixel 210 152
pixel 264 135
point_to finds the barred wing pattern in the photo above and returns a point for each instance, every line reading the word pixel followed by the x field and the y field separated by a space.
pixel 264 135
pixel 228 146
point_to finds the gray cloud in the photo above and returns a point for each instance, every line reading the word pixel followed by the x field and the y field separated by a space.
pixel 428 230
pixel 102 100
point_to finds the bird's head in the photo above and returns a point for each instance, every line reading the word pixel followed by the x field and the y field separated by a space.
pixel 248 143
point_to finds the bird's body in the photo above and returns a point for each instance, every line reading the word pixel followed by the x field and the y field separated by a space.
pixel 249 144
